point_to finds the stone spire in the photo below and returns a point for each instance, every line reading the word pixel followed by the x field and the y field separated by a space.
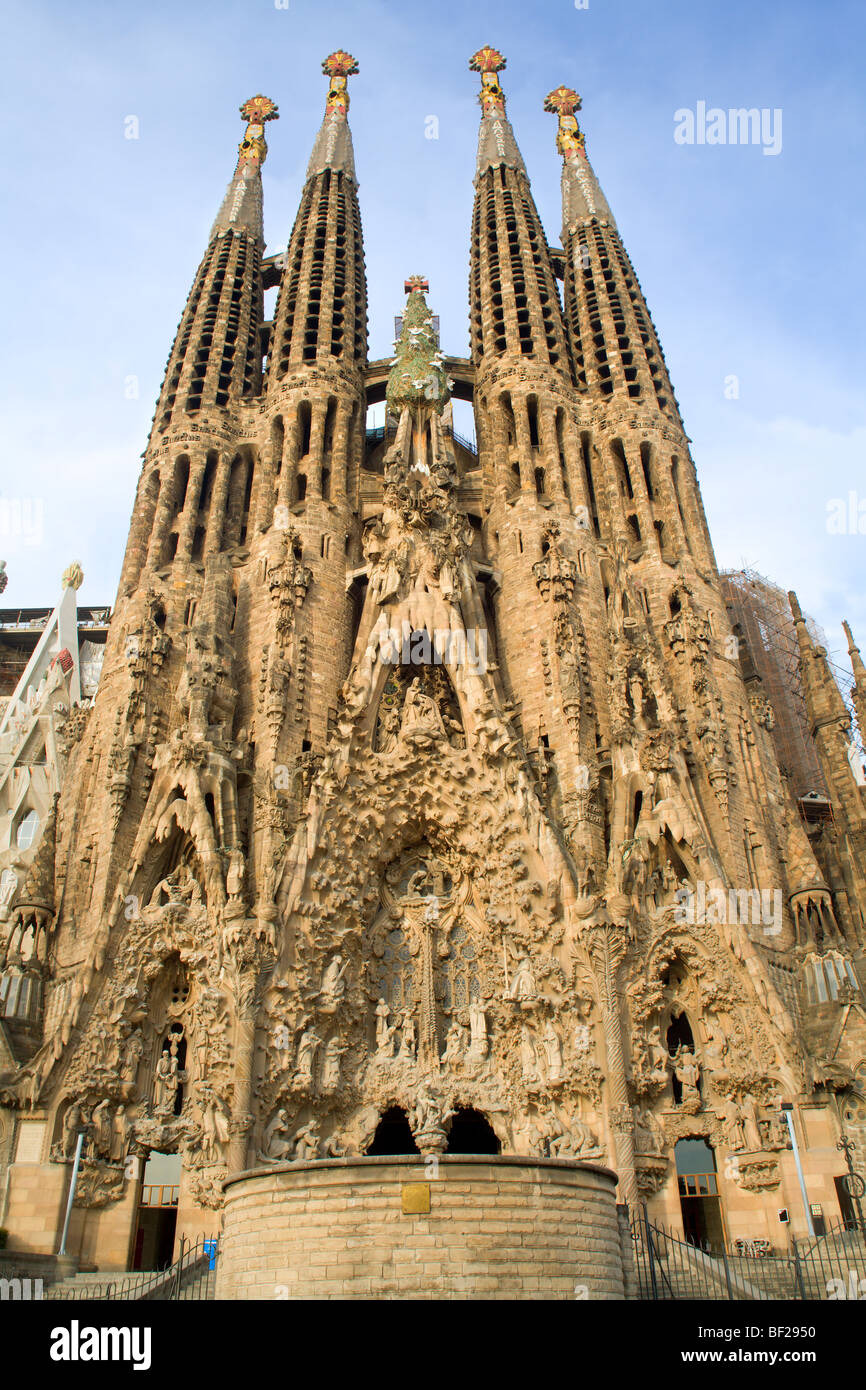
pixel 830 726
pixel 216 357
pixel 859 693
pixel 613 341
pixel 321 310
pixel 333 147
pixel 514 301
pixel 241 208
pixel 640 487
pixel 496 142
pixel 582 198
pixel 823 696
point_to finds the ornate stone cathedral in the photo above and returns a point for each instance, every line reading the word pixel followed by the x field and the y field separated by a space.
pixel 424 891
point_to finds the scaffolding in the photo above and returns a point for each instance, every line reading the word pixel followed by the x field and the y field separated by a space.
pixel 760 611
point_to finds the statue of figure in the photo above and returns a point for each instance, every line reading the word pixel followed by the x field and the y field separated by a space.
pixel 586 879
pixel 307 1048
pixel 751 1127
pixel 688 1074
pixel 72 1123
pixel 716 1048
pixel 333 984
pixel 235 874
pixel 389 728
pixel 421 714
pixel 523 981
pixel 669 877
pixel 334 1050
pixel 777 1133
pixel 384 1031
pixel 8 889
pixel 408 1038
pixel 658 1055
pixel 635 871
pixel 119 1135
pixel 307 1142
pixel 553 1048
pixel 165 1082
pixel 276 1145
pixel 528 1056
pixel 179 887
pixel 100 1122
pixel 735 1128
pixel 132 1056
pixel 478 1031
pixel 572 1142
pixel 455 1042
pixel 214 1127
pixel 638 695
pixel 428 1114
pixel 648 1134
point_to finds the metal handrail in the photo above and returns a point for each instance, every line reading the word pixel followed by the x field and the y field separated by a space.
pixel 203 1251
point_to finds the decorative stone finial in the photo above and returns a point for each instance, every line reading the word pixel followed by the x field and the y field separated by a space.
pixel 252 151
pixel 489 61
pixel 564 101
pixel 338 66
pixel 417 375
pixel 73 576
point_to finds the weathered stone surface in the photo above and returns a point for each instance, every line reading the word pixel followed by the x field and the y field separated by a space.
pixel 422 795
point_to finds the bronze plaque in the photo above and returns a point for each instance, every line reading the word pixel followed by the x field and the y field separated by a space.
pixel 416 1198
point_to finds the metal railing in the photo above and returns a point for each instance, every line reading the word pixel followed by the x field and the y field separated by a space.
pixel 828 1267
pixel 379 434
pixel 192 1276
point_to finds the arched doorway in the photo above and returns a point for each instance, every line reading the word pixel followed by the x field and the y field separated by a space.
pixel 471 1133
pixel 157 1212
pixel 393 1135
pixel 700 1203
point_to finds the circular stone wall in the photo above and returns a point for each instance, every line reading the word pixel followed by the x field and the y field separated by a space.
pixel 459 1227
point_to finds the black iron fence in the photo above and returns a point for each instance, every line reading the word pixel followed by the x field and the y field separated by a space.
pixel 191 1276
pixel 828 1267
pixel 381 434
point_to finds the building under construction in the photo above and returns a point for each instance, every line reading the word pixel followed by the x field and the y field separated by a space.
pixel 761 617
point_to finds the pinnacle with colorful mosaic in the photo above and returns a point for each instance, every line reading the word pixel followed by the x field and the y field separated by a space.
pixel 253 149
pixel 489 62
pixel 564 101
pixel 338 66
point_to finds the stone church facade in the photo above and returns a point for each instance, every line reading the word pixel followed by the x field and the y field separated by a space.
pixel 428 805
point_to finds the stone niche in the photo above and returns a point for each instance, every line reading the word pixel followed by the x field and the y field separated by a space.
pixel 407 1227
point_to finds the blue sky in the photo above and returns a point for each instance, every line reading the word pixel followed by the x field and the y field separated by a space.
pixel 752 265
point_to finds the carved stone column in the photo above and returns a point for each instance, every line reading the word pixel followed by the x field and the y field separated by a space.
pixel 428 1042
pixel 607 944
pixel 246 978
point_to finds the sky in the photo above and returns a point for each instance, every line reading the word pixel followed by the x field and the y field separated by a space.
pixel 752 264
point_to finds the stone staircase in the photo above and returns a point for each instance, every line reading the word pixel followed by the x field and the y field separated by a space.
pixel 192 1276
pixel 102 1285
pixel 827 1266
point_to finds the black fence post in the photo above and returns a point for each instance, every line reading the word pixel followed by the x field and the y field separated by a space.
pixel 798 1269
pixel 175 1288
pixel 651 1252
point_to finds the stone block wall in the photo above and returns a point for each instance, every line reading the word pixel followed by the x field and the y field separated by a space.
pixel 496 1228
